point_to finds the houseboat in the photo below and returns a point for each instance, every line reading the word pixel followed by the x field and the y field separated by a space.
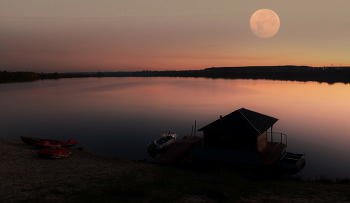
pixel 244 137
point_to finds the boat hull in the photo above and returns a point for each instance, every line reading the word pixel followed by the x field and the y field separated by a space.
pixel 58 153
pixel 33 141
pixel 163 142
pixel 47 145
pixel 60 156
pixel 291 163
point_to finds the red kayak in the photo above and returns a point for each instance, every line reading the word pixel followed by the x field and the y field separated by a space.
pixel 48 145
pixel 69 143
pixel 57 153
pixel 33 141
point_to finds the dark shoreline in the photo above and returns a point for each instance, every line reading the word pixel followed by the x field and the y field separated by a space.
pixel 328 75
pixel 85 177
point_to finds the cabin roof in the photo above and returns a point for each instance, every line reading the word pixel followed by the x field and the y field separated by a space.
pixel 241 121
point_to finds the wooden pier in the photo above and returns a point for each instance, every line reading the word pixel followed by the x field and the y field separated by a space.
pixel 179 152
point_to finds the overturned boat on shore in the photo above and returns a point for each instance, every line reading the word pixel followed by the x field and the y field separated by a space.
pixel 33 141
pixel 165 140
pixel 57 153
pixel 47 145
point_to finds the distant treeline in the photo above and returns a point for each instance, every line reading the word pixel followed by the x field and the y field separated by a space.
pixel 26 76
pixel 17 76
pixel 292 73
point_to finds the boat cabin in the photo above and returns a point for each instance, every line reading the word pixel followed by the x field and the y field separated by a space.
pixel 242 136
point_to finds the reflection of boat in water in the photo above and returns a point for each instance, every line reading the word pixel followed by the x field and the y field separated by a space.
pixel 163 142
pixel 291 163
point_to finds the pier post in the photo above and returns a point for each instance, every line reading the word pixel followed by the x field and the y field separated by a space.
pixel 271 134
pixel 194 137
pixel 281 137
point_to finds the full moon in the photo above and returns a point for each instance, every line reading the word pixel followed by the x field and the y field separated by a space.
pixel 264 23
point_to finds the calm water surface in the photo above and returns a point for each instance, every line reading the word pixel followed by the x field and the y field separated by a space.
pixel 120 116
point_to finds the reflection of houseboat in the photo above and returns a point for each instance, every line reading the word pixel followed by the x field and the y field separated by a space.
pixel 242 137
pixel 165 140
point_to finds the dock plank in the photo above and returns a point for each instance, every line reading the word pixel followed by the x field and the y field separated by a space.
pixel 272 152
pixel 178 151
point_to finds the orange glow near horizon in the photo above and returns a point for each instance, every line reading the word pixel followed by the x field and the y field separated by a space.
pixel 172 35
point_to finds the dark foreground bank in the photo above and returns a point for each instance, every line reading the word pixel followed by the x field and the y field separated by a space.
pixel 85 177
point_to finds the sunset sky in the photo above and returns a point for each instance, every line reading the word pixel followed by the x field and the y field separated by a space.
pixel 132 35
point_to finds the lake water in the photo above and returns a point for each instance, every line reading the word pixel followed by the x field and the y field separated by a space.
pixel 120 116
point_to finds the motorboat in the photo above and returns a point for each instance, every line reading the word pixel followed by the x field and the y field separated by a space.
pixel 165 140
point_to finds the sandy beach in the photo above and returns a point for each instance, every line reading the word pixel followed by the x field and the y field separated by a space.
pixel 26 177
pixel 22 170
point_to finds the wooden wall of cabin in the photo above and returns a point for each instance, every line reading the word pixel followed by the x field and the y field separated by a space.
pixel 199 143
pixel 230 141
pixel 262 142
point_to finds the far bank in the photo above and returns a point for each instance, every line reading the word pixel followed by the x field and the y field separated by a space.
pixel 328 75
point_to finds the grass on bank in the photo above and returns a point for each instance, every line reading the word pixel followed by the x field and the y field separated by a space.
pixel 167 184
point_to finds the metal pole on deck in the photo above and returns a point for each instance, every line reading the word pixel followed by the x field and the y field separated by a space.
pixel 271 134
pixel 281 137
pixel 194 134
pixel 192 131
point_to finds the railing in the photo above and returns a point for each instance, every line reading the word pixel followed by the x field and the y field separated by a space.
pixel 276 151
pixel 272 134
